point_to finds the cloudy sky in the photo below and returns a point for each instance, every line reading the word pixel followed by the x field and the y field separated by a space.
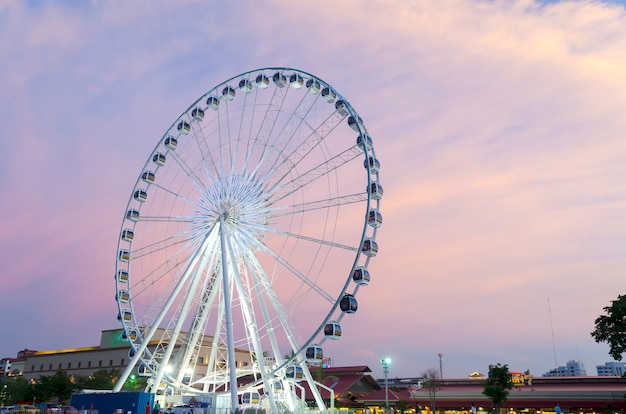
pixel 499 124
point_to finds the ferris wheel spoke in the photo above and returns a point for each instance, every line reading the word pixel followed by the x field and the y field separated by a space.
pixel 314 174
pixel 276 212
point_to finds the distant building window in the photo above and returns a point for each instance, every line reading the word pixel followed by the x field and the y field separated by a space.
pixel 122 362
pixel 59 365
pixel 41 367
pixel 79 363
pixel 69 365
pixel 110 362
pixel 32 368
pixel 88 364
pixel 50 367
pixel 100 363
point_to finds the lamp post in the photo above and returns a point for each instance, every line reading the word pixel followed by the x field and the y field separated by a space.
pixel 385 363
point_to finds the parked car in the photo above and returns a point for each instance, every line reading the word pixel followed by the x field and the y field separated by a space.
pixel 23 409
pixel 3 410
pixel 48 408
pixel 67 409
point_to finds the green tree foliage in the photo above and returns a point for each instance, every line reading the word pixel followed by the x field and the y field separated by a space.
pixel 498 384
pixel 59 387
pixel 16 389
pixel 103 379
pixel 431 383
pixel 611 328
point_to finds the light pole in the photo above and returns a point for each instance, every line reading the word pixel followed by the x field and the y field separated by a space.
pixel 385 363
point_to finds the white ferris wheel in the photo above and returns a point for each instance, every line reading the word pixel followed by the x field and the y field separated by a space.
pixel 247 236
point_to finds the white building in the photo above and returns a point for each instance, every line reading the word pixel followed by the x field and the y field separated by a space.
pixel 571 369
pixel 617 369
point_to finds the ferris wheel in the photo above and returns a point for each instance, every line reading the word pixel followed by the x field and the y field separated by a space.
pixel 247 236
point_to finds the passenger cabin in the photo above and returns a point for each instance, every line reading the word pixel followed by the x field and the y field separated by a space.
pixel 373 163
pixel 369 247
pixel 212 102
pixel 148 176
pixel 314 354
pixel 183 127
pixel 128 235
pixel 249 398
pixel 314 86
pixel 145 371
pixel 132 215
pixel 245 85
pixel 374 218
pixel 279 79
pixel 364 142
pixel 294 373
pixel 361 276
pixel 355 123
pixel 122 296
pixel 122 275
pixel 140 195
pixel 159 159
pixel 126 315
pixel 328 94
pixel 348 303
pixel 132 335
pixel 376 191
pixel 262 81
pixel 170 142
pixel 332 330
pixel 296 81
pixel 228 93
pixel 123 255
pixel 341 107
pixel 197 114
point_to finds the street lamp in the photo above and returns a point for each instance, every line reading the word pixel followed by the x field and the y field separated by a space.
pixel 385 363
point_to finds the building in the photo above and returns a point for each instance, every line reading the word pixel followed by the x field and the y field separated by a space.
pixel 611 369
pixel 112 353
pixel 11 367
pixel 571 369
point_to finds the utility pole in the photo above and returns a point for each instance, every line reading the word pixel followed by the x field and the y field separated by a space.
pixel 385 363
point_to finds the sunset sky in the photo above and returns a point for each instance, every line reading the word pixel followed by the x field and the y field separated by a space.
pixel 500 126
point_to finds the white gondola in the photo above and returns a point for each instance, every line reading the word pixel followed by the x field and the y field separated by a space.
pixel 128 235
pixel 373 164
pixel 369 247
pixel 279 79
pixel 332 330
pixel 122 296
pixel 131 353
pixel 262 81
pixel 361 276
pixel 277 386
pixel 140 195
pixel 249 398
pixel 170 142
pixel 348 303
pixel 148 177
pixel 122 275
pixel 294 373
pixel 376 191
pixel 341 107
pixel 197 114
pixel 296 81
pixel 355 123
pixel 374 218
pixel 364 142
pixel 123 255
pixel 228 93
pixel 132 335
pixel 314 86
pixel 212 102
pixel 159 159
pixel 126 315
pixel 329 95
pixel 132 215
pixel 183 127
pixel 145 371
pixel 245 85
pixel 314 354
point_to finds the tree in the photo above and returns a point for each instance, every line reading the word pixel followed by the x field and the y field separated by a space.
pixel 611 328
pixel 431 383
pixel 103 379
pixel 16 389
pixel 498 384
pixel 59 386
